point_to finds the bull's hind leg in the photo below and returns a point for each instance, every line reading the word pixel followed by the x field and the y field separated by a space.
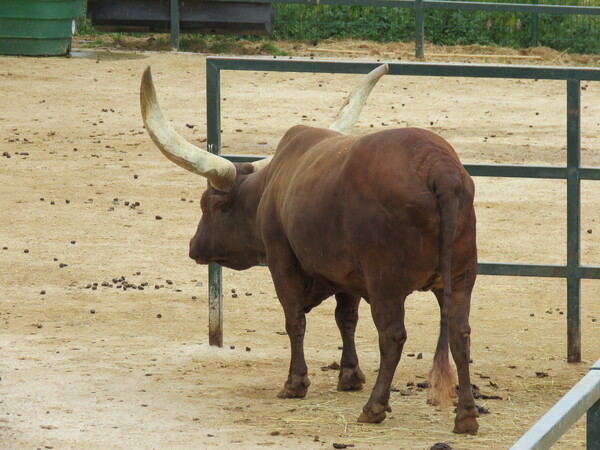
pixel 346 316
pixel 460 331
pixel 388 316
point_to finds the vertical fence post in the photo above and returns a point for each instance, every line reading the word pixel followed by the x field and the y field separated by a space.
pixel 213 138
pixel 573 220
pixel 419 29
pixel 593 420
pixel 534 25
pixel 593 426
pixel 215 305
pixel 175 24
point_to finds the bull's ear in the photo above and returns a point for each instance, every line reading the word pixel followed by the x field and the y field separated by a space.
pixel 350 110
pixel 245 168
pixel 257 165
pixel 220 201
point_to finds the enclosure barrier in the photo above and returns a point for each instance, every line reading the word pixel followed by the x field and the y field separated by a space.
pixel 585 396
pixel 192 16
pixel 419 6
pixel 573 173
pixel 38 27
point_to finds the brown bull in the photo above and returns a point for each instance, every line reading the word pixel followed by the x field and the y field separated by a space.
pixel 376 216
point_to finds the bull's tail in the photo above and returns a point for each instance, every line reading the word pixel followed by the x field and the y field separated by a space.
pixel 441 377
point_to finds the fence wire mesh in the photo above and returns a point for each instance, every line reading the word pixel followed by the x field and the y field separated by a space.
pixel 575 33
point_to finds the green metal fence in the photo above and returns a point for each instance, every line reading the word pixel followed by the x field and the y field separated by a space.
pixel 573 172
pixel 420 6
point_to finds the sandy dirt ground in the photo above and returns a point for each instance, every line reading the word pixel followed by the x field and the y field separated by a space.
pixel 103 318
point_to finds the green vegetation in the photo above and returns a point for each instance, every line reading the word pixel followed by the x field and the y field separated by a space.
pixel 83 24
pixel 316 23
pixel 574 33
pixel 269 47
pixel 570 33
pixel 97 43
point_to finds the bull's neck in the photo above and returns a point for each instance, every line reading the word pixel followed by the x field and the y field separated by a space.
pixel 248 196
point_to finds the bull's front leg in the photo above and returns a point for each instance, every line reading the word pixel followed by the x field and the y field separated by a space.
pixel 295 324
pixel 346 316
pixel 290 287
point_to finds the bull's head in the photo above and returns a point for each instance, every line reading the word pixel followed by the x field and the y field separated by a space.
pixel 227 233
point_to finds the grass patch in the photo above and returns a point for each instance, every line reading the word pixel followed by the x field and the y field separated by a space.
pixel 97 43
pixel 272 49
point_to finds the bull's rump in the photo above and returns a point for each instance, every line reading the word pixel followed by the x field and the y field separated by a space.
pixel 360 212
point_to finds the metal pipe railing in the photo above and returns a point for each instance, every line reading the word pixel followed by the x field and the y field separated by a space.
pixel 583 398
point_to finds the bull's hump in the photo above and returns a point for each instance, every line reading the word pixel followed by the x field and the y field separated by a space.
pixel 301 139
pixel 307 133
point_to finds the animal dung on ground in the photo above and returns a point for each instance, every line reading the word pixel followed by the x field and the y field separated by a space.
pixel 124 284
pixel 482 409
pixel 333 366
pixel 478 395
pixel 440 446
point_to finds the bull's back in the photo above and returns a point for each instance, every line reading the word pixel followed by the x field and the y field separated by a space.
pixel 351 207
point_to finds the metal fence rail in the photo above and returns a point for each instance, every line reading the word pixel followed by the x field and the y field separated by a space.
pixel 420 6
pixel 583 397
pixel 573 173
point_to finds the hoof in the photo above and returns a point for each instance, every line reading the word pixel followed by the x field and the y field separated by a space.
pixel 295 387
pixel 374 417
pixel 466 424
pixel 351 379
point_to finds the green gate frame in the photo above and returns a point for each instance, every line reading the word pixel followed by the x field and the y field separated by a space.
pixel 573 172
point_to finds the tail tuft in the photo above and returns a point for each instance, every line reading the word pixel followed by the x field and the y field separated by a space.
pixel 441 381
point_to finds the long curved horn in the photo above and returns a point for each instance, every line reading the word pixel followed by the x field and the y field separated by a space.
pixel 350 110
pixel 219 171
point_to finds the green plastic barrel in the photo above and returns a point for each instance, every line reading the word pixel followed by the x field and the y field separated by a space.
pixel 37 27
